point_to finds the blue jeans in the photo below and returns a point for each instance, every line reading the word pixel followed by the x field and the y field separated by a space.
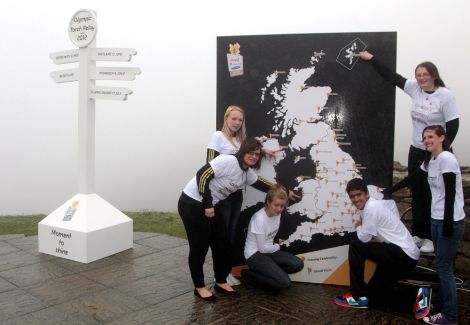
pixel 270 270
pixel 446 249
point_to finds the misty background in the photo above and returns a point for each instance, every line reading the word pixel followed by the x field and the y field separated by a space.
pixel 149 146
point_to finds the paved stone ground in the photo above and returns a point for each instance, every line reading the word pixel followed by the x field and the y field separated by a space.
pixel 150 284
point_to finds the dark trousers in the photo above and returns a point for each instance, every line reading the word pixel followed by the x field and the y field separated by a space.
pixel 204 232
pixel 392 265
pixel 230 209
pixel 271 270
pixel 421 196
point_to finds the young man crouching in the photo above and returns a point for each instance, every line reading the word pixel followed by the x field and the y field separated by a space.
pixel 383 239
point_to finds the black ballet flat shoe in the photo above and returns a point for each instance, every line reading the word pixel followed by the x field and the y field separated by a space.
pixel 232 294
pixel 210 298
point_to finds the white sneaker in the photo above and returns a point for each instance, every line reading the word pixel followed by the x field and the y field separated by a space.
pixel 418 241
pixel 232 281
pixel 427 247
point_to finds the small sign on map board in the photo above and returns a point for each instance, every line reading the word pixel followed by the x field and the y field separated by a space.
pixel 346 56
pixel 235 61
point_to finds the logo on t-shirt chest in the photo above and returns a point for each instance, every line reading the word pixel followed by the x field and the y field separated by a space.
pixel 272 234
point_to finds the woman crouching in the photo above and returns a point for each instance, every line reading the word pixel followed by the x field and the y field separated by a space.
pixel 268 265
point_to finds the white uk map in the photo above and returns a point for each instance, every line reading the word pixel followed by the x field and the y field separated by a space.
pixel 297 111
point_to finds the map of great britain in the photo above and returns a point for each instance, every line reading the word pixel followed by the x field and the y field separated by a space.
pixel 297 111
pixel 331 118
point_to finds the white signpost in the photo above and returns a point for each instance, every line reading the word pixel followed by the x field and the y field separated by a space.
pixel 86 227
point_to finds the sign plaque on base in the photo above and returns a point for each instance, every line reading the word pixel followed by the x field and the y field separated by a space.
pixel 84 229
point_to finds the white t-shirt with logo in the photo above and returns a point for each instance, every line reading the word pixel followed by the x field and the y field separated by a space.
pixel 222 145
pixel 445 162
pixel 228 178
pixel 261 233
pixel 380 219
pixel 429 109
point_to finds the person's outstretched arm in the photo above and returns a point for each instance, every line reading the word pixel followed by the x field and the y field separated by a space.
pixel 263 185
pixel 405 182
pixel 387 74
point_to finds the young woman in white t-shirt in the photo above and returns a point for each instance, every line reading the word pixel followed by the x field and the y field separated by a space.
pixel 227 142
pixel 268 265
pixel 432 104
pixel 447 225
pixel 198 207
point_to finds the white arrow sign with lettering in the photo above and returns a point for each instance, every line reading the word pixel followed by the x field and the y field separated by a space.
pixel 65 75
pixel 115 93
pixel 110 73
pixel 64 57
pixel 110 54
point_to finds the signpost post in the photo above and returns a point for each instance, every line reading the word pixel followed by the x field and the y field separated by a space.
pixel 86 227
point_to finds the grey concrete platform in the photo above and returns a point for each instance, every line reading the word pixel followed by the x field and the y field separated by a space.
pixel 150 284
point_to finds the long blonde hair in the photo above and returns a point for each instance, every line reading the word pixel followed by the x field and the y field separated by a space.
pixel 240 135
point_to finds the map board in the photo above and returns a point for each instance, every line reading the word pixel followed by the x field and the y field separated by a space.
pixel 332 115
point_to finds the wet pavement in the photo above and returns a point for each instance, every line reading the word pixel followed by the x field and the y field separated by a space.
pixel 150 284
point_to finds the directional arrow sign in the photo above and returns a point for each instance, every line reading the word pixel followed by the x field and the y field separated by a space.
pixel 62 57
pixel 109 73
pixel 65 75
pixel 116 93
pixel 108 54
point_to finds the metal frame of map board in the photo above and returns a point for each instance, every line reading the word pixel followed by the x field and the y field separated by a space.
pixel 305 92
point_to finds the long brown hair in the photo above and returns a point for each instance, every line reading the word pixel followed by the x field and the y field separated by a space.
pixel 432 69
pixel 439 131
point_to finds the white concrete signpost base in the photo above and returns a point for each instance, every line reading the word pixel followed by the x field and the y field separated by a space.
pixel 86 227
pixel 95 230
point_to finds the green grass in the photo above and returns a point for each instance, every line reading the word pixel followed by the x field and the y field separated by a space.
pixel 162 222
pixel 27 225
pixel 145 221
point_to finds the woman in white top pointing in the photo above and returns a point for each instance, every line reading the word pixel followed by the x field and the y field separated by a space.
pixel 432 104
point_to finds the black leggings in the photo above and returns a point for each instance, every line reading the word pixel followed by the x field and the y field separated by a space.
pixel 204 232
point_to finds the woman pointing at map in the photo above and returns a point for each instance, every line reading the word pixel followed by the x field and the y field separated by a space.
pixel 432 104
pixel 227 142
pixel 205 227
